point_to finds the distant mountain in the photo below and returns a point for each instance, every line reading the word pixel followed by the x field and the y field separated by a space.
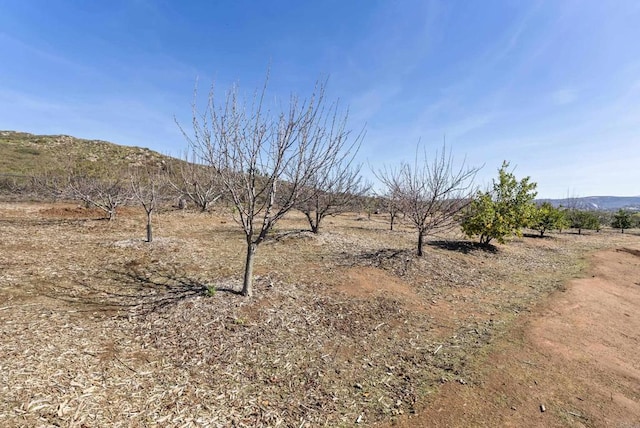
pixel 605 203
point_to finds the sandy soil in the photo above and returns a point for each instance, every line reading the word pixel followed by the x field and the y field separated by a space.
pixel 573 362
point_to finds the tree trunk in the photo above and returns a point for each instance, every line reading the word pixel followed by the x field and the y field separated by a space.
pixel 247 285
pixel 316 229
pixel 112 214
pixel 420 243
pixel 149 228
pixel 393 218
pixel 314 224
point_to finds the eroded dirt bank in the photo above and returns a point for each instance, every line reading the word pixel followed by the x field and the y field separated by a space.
pixel 573 361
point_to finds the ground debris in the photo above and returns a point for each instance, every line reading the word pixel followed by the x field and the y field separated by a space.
pixel 99 328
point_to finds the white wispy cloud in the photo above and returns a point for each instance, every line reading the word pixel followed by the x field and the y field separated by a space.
pixel 367 104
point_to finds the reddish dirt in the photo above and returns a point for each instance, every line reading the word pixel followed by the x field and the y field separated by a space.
pixel 370 281
pixel 576 355
pixel 70 211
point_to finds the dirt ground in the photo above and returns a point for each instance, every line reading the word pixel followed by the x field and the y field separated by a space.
pixel 349 327
pixel 573 361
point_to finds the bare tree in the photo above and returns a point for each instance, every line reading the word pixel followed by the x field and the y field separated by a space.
pixel 148 186
pixel 263 158
pixel 23 187
pixel 391 202
pixel 94 185
pixel 431 192
pixel 368 204
pixel 195 182
pixel 103 193
pixel 332 191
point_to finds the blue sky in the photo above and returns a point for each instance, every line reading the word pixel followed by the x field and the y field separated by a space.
pixel 551 86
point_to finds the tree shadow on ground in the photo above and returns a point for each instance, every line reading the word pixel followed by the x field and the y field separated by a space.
pixel 388 253
pixel 290 234
pixel 376 257
pixel 583 232
pixel 44 222
pixel 131 290
pixel 631 251
pixel 397 260
pixel 536 236
pixel 465 247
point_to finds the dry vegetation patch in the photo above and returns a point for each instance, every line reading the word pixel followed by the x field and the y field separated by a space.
pixel 100 328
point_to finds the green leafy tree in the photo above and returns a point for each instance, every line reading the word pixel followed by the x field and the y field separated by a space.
pixel 547 217
pixel 583 220
pixel 502 211
pixel 621 220
pixel 605 218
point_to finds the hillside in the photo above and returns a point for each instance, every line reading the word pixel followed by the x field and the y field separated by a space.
pixel 22 153
pixel 25 154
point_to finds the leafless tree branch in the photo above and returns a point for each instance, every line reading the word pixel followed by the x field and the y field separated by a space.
pixel 431 191
pixel 266 159
pixel 148 187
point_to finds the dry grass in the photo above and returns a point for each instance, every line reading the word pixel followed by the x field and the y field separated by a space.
pixel 24 153
pixel 99 328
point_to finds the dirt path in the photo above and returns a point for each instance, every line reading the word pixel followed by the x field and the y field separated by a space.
pixel 577 354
